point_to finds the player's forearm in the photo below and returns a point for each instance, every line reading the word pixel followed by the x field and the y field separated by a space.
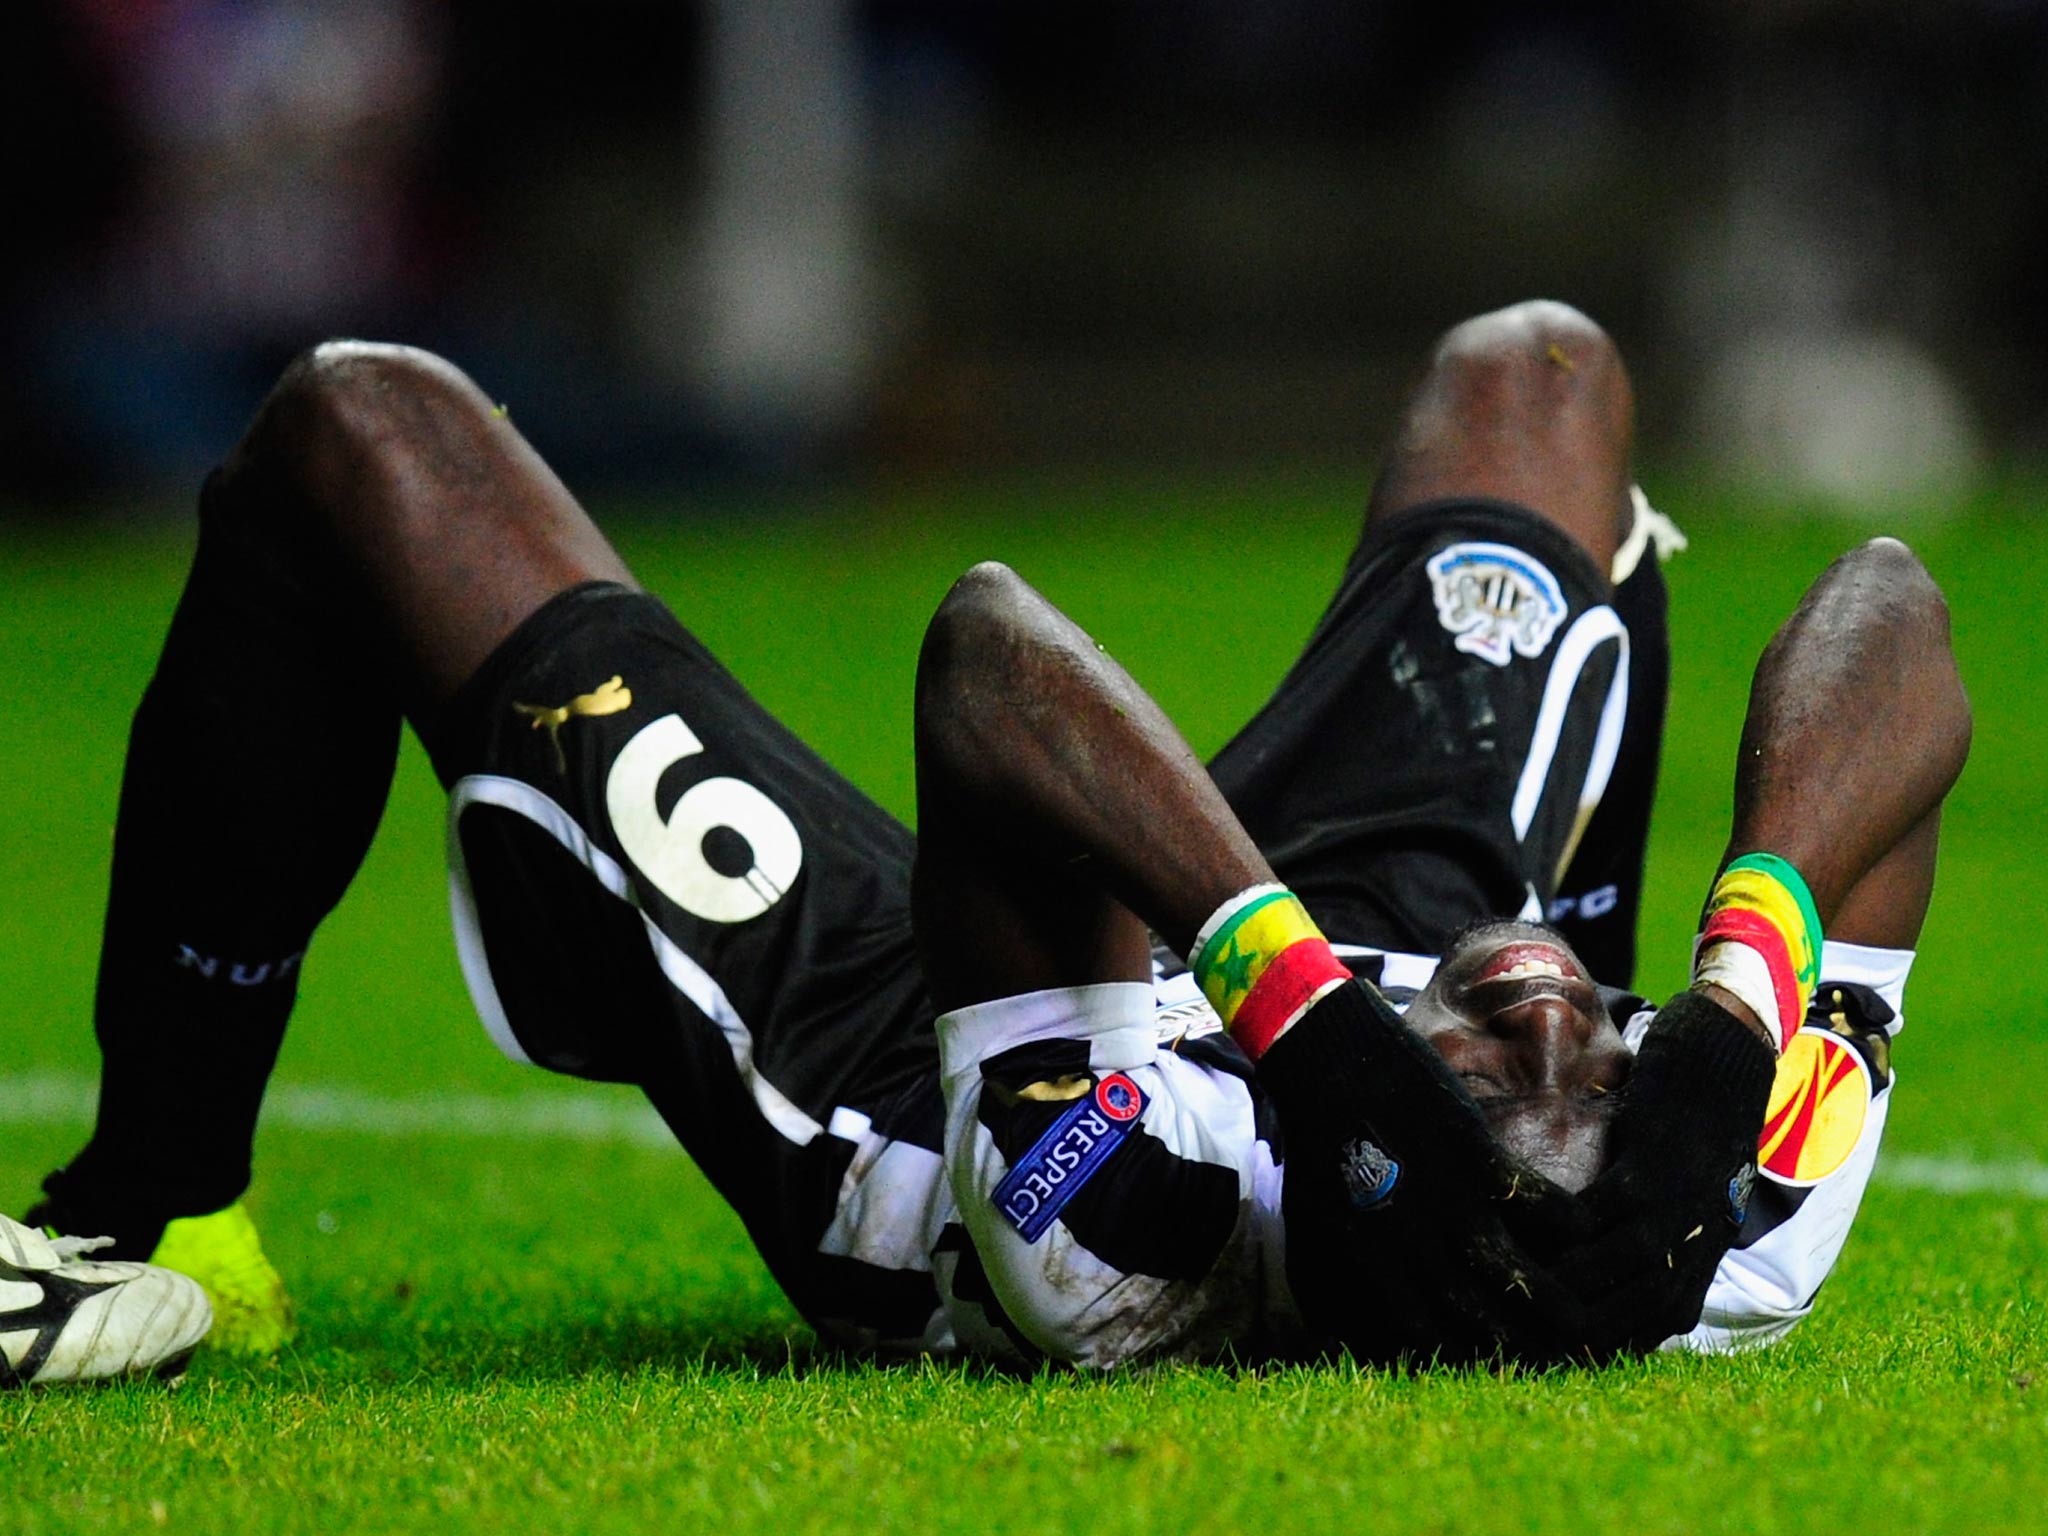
pixel 1857 723
pixel 1741 1012
pixel 1857 726
pixel 1025 723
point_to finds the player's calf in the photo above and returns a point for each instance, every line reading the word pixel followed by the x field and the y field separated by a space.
pixel 377 532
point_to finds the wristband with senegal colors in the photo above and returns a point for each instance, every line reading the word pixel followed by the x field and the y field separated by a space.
pixel 1261 961
pixel 1761 941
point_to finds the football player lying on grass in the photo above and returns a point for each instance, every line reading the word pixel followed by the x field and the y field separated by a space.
pixel 1029 1083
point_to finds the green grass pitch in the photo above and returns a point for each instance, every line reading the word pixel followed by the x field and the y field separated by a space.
pixel 518 1311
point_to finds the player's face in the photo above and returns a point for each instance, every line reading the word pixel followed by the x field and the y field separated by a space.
pixel 1513 1013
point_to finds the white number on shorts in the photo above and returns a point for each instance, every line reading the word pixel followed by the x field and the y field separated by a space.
pixel 671 853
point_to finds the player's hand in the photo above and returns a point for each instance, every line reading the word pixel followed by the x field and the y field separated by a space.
pixel 252 1314
pixel 1656 1223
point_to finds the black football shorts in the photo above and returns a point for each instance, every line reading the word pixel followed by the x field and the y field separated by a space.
pixel 1435 757
pixel 655 882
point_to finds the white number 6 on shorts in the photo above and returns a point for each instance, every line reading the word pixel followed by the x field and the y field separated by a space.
pixel 671 853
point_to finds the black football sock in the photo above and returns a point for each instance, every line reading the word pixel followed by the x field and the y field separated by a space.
pixel 258 766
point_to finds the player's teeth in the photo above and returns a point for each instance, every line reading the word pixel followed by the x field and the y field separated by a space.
pixel 1534 968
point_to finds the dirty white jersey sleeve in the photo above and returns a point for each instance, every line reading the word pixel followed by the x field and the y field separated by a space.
pixel 1118 1196
pixel 1113 1166
pixel 1821 1132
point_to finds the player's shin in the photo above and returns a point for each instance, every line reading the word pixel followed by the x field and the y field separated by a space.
pixel 257 769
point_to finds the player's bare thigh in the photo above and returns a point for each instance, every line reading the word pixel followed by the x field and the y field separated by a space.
pixel 1529 404
pixel 438 513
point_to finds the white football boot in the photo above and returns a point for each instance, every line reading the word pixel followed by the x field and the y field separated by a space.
pixel 64 1317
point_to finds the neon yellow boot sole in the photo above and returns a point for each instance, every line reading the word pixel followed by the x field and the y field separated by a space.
pixel 252 1314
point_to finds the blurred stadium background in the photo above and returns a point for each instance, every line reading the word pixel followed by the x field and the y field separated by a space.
pixel 818 300
pixel 907 238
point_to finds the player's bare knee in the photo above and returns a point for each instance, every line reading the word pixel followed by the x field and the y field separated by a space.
pixel 1537 353
pixel 348 364
pixel 349 397
pixel 347 415
pixel 1538 372
pixel 1529 404
pixel 1518 327
pixel 330 401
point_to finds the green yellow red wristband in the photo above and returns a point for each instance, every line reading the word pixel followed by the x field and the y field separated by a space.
pixel 1261 961
pixel 1773 868
pixel 1761 941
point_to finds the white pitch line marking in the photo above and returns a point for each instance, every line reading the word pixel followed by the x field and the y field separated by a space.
pixel 60 1098
pixel 64 1098
pixel 1964 1175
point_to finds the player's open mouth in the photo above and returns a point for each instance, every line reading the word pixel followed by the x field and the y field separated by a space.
pixel 1528 961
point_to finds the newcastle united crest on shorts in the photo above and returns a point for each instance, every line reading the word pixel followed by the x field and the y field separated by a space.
pixel 1499 602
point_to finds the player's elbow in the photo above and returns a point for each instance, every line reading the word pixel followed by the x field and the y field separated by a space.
pixel 970 647
pixel 1880 608
pixel 972 626
pixel 986 592
pixel 1895 589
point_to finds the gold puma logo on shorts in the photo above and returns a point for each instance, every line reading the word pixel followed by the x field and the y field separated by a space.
pixel 607 698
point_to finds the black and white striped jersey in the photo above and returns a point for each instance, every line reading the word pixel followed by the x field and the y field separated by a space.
pixel 1114 1179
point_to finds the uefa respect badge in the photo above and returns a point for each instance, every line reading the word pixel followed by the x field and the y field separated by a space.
pixel 1079 1142
pixel 1499 602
